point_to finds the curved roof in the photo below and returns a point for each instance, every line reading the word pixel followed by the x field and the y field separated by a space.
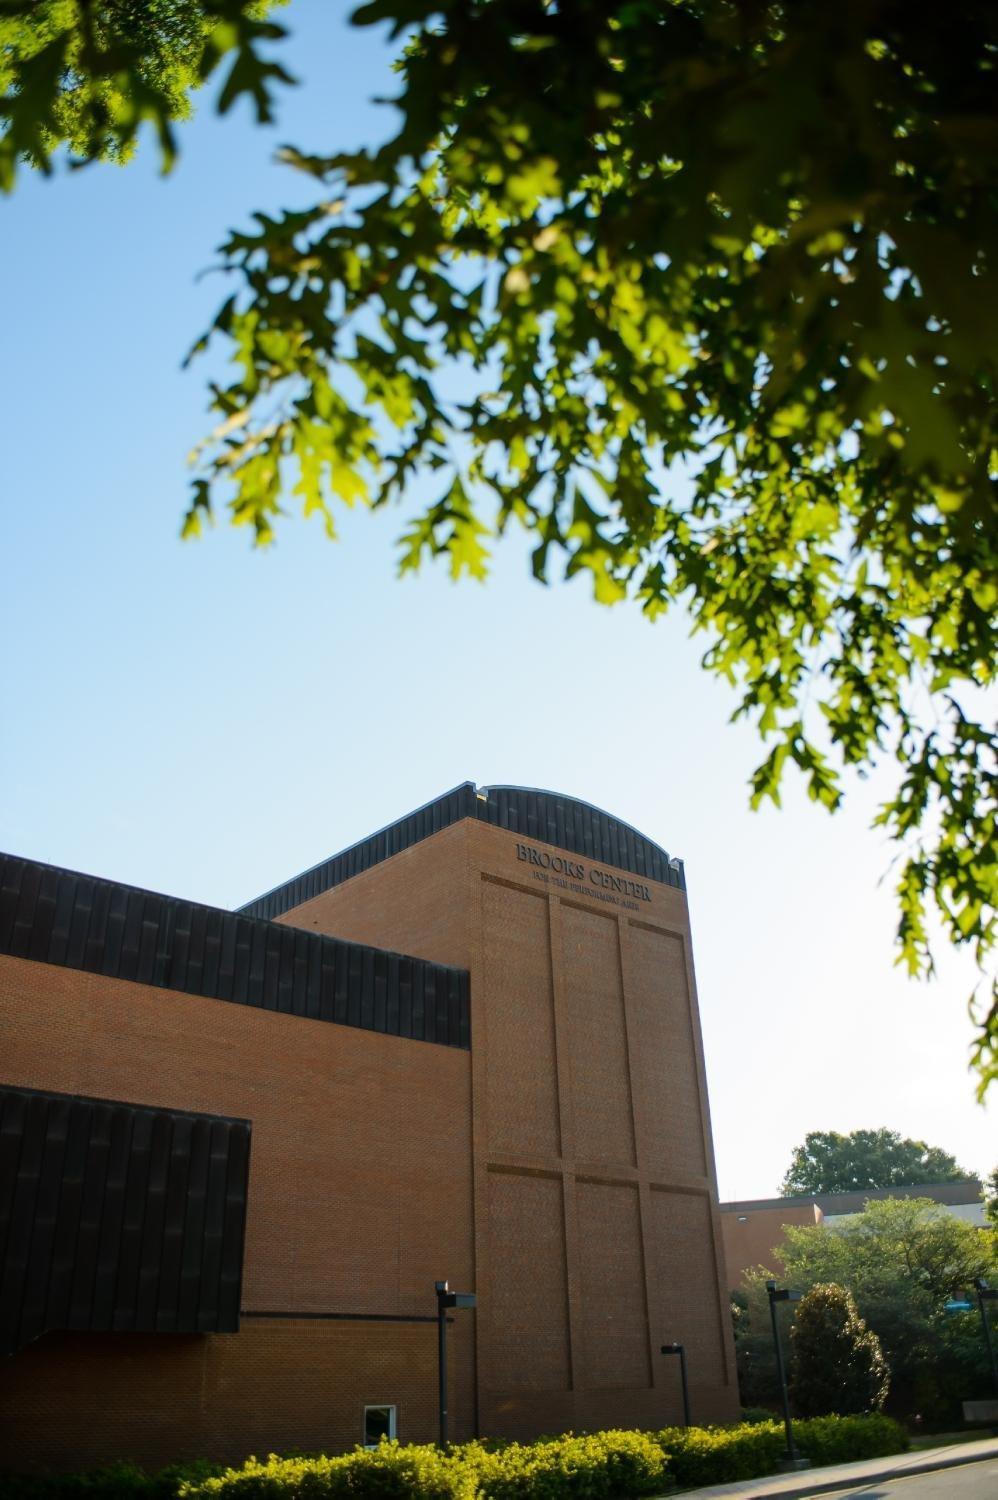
pixel 565 822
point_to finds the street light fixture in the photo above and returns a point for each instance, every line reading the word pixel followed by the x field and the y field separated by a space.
pixel 987 1293
pixel 445 1299
pixel 792 1460
pixel 681 1351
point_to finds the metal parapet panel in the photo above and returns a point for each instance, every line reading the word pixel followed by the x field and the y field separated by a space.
pixel 56 916
pixel 579 828
pixel 118 1217
pixel 565 822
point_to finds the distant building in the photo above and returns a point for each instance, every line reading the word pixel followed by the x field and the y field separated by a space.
pixel 753 1229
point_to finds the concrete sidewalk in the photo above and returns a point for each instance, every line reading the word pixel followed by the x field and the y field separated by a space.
pixel 845 1476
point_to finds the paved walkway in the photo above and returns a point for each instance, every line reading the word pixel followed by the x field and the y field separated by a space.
pixel 846 1476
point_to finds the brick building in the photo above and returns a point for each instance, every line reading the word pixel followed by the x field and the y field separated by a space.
pixel 237 1149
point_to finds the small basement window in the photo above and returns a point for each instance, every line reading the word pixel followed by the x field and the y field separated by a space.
pixel 379 1422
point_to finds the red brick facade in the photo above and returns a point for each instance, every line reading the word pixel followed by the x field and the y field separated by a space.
pixel 597 1235
pixel 562 1169
pixel 753 1238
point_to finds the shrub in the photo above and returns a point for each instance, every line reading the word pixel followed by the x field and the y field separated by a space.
pixel 839 1440
pixel 165 1484
pixel 120 1481
pixel 756 1414
pixel 720 1455
pixel 594 1466
pixel 838 1365
pixel 576 1468
pixel 388 1472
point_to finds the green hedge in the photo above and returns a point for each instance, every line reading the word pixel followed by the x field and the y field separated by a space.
pixel 600 1466
pixel 721 1455
pixel 117 1482
pixel 593 1467
pixel 840 1440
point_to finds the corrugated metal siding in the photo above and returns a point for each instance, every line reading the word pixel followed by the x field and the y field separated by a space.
pixel 60 917
pixel 118 1217
pixel 565 822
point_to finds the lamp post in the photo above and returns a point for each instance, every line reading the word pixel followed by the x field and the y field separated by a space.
pixel 777 1294
pixel 445 1299
pixel 681 1351
pixel 987 1293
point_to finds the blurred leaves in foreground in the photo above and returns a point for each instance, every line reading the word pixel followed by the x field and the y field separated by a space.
pixel 701 294
pixel 87 73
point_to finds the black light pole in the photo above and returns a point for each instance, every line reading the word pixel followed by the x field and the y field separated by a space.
pixel 680 1349
pixel 987 1293
pixel 441 1289
pixel 446 1299
pixel 793 1459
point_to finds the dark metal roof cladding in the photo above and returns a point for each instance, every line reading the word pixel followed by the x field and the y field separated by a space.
pixel 118 1217
pixel 564 822
pixel 57 916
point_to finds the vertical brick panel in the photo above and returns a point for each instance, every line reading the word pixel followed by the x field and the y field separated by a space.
pixel 526 1324
pixel 612 1271
pixel 664 1063
pixel 688 1292
pixel 522 1075
pixel 601 1091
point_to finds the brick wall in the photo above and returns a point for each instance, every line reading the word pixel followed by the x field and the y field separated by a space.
pixel 597 1233
pixel 359 1199
pixel 752 1237
pixel 417 895
pixel 563 1171
pixel 73 1400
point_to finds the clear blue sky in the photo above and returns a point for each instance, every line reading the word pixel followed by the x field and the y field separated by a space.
pixel 206 720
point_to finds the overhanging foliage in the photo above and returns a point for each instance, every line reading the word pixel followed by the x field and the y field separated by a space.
pixel 701 294
pixel 87 73
pixel 719 281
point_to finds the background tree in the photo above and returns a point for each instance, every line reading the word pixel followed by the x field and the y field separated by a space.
pixel 86 73
pixel 832 1163
pixel 837 1364
pixel 902 1260
pixel 755 1361
pixel 990 1196
pixel 702 297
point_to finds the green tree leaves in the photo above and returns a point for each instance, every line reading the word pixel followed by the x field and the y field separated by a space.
pixel 719 283
pixel 837 1362
pixel 87 73
pixel 832 1163
pixel 901 1260
pixel 701 296
pixel 990 1197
